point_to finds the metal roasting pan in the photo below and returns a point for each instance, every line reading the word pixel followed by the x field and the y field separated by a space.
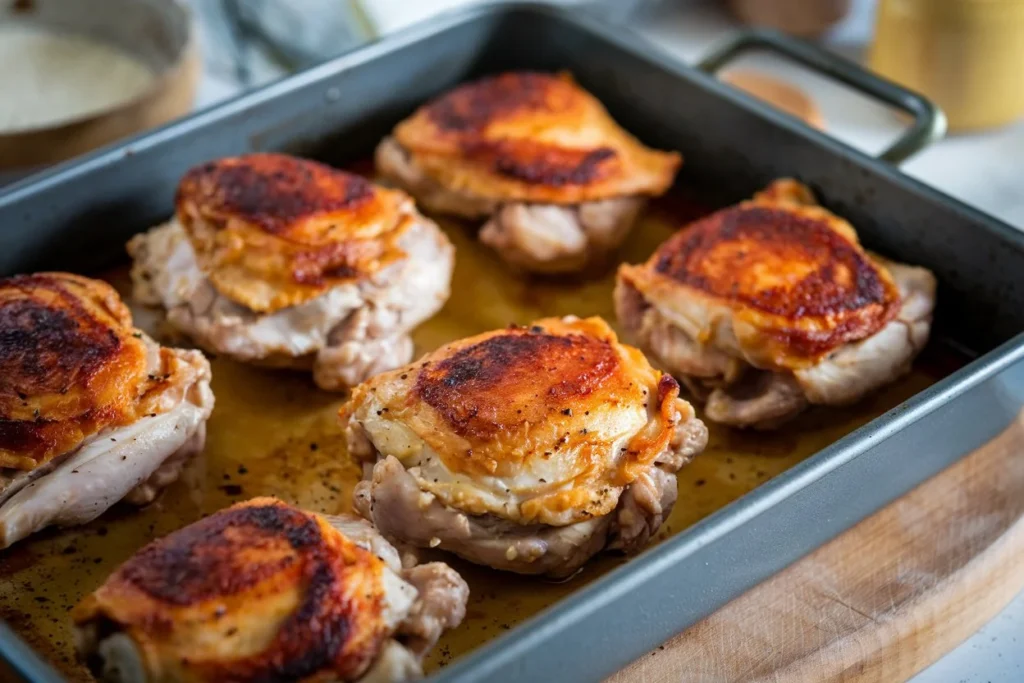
pixel 78 216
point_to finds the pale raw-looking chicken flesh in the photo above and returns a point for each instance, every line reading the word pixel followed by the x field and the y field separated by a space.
pixel 285 262
pixel 770 306
pixel 92 411
pixel 528 449
pixel 263 591
pixel 559 182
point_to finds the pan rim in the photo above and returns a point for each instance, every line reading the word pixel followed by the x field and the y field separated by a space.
pixel 739 512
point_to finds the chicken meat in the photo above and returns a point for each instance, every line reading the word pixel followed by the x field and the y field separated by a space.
pixel 263 591
pixel 285 262
pixel 770 306
pixel 528 449
pixel 559 182
pixel 92 411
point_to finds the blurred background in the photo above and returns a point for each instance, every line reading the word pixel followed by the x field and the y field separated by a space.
pixel 79 84
pixel 967 55
pixel 78 74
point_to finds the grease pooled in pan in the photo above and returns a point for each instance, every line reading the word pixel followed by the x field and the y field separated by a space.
pixel 274 433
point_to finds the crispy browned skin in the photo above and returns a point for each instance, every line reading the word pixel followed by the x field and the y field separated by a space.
pixel 260 591
pixel 531 136
pixel 545 377
pixel 559 412
pixel 793 270
pixel 272 231
pixel 784 264
pixel 70 364
pixel 515 378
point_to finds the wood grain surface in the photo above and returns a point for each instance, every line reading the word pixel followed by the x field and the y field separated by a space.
pixel 882 601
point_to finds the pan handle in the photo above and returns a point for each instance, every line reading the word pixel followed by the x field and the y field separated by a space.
pixel 929 121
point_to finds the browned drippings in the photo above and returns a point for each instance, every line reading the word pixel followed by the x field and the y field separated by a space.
pixel 274 433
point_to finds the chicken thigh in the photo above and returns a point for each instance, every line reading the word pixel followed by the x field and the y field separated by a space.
pixel 558 180
pixel 527 449
pixel 92 411
pixel 770 306
pixel 263 591
pixel 285 262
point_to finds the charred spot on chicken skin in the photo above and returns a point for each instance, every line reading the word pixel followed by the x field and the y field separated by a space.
pixel 215 559
pixel 207 559
pixel 273 222
pixel 528 449
pixel 289 263
pixel 265 592
pixel 472 107
pixel 767 307
pixel 541 164
pixel 784 264
pixel 515 378
pixel 47 349
pixel 68 360
pixel 273 191
pixel 76 375
pixel 560 183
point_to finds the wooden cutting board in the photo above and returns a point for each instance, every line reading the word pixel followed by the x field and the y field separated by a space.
pixel 882 601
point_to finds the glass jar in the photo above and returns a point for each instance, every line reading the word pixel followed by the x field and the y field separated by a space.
pixel 966 55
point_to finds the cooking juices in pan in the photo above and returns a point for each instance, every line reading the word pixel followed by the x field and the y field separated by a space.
pixel 274 433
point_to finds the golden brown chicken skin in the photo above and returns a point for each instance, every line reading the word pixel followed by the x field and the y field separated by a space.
pixel 75 375
pixel 796 272
pixel 531 136
pixel 286 262
pixel 778 284
pixel 70 365
pixel 263 591
pixel 272 231
pixel 539 156
pixel 521 448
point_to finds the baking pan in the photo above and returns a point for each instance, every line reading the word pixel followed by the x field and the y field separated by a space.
pixel 78 216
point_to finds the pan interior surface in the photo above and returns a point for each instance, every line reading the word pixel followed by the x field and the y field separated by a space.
pixel 274 433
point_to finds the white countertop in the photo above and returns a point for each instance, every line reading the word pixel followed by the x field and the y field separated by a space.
pixel 981 169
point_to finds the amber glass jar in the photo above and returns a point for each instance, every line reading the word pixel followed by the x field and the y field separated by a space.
pixel 966 55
